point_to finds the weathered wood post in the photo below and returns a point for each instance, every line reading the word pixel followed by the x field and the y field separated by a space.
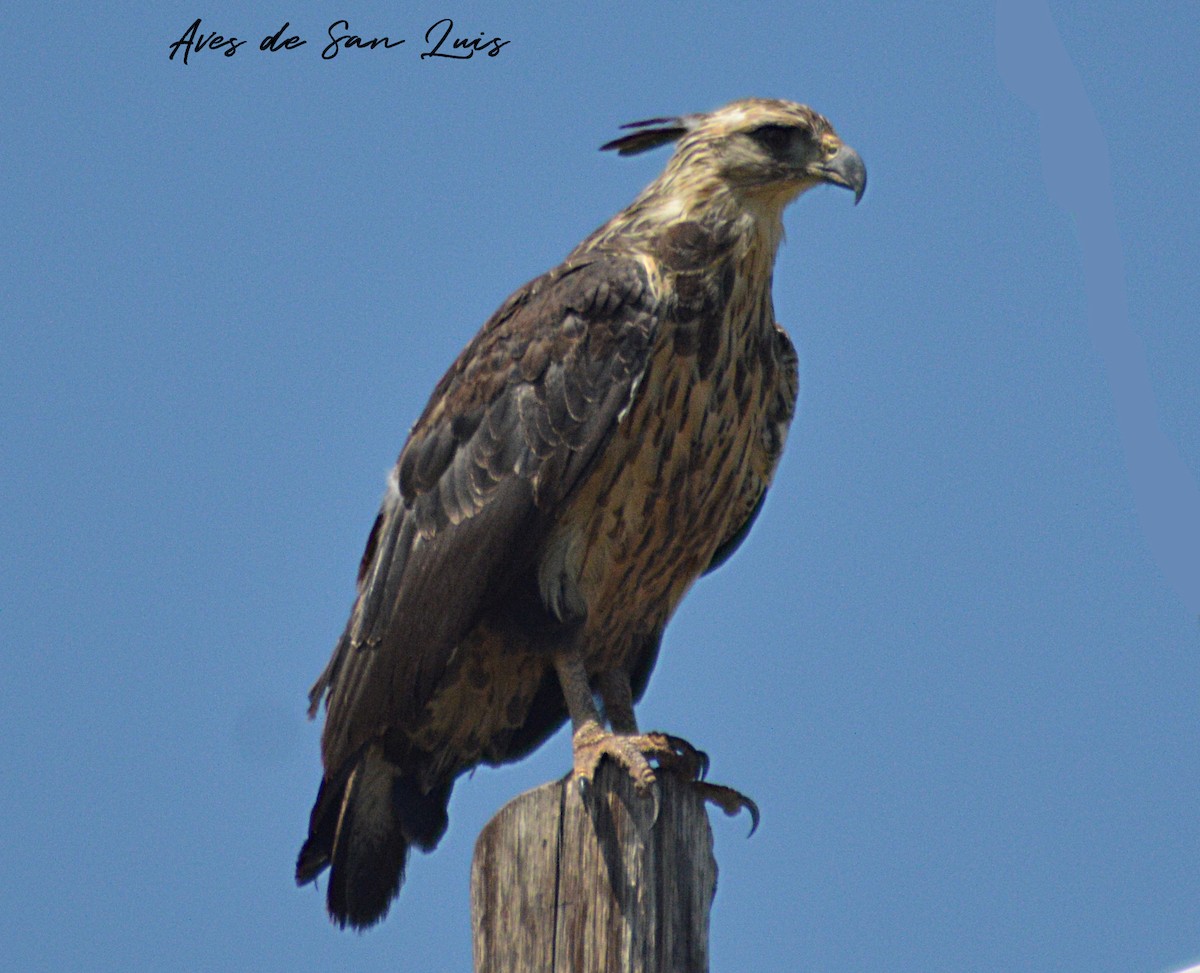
pixel 560 886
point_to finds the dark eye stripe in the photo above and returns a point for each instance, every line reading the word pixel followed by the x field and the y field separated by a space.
pixel 776 138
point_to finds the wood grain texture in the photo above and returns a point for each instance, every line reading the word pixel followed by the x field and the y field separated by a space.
pixel 560 886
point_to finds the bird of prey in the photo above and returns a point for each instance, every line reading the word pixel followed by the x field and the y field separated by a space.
pixel 606 438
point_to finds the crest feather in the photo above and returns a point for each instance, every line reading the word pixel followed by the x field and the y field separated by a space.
pixel 658 131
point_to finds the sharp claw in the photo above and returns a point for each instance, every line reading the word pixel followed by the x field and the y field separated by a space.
pixel 692 760
pixel 633 752
pixel 754 816
pixel 729 801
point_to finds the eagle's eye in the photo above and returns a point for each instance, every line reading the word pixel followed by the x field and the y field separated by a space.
pixel 774 138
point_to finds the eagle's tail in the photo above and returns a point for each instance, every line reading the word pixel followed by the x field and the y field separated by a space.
pixel 361 827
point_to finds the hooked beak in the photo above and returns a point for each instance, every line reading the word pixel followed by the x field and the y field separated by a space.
pixel 845 169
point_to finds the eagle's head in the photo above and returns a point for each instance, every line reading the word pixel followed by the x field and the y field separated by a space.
pixel 761 149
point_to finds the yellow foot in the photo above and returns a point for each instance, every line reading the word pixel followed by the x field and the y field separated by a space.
pixel 592 743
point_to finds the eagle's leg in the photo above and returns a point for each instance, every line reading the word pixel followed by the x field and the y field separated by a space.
pixel 592 742
pixel 617 696
pixel 674 752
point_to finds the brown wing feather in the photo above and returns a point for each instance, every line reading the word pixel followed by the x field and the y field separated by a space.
pixel 506 435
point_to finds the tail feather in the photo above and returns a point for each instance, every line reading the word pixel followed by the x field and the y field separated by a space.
pixel 361 827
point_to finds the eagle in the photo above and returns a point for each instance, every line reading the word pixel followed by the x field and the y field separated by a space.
pixel 606 438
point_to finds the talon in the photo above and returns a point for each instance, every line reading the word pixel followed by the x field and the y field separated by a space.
pixel 680 756
pixel 754 817
pixel 592 743
pixel 729 801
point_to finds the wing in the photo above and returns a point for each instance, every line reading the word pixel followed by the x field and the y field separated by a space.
pixel 769 447
pixel 506 435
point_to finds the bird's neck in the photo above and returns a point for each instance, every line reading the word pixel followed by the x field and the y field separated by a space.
pixel 755 219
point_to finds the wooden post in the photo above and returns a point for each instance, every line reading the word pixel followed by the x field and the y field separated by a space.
pixel 560 886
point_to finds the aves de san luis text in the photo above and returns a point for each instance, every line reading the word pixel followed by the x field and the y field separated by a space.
pixel 441 40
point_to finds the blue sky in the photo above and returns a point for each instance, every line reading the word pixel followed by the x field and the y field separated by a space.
pixel 956 663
